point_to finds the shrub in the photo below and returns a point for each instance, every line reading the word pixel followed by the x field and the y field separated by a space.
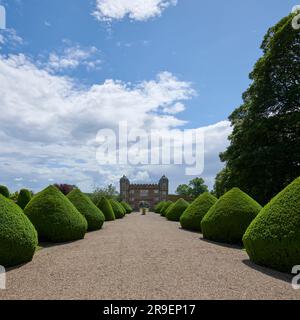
pixel 105 206
pixel 4 191
pixel 18 237
pixel 55 217
pixel 193 215
pixel 176 210
pixel 227 220
pixel 159 206
pixel 65 188
pixel 273 238
pixel 165 208
pixel 119 211
pixel 127 207
pixel 94 216
pixel 23 198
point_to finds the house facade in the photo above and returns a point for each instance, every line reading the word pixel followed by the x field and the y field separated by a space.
pixel 135 194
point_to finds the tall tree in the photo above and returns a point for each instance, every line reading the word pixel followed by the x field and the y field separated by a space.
pixel 193 189
pixel 264 154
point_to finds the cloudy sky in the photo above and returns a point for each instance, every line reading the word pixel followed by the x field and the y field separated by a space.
pixel 69 68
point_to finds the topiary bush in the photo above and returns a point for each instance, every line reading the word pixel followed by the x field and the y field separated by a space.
pixel 55 217
pixel 159 206
pixel 176 210
pixel 4 191
pixel 165 208
pixel 127 207
pixel 227 220
pixel 18 237
pixel 117 208
pixel 105 206
pixel 273 238
pixel 23 198
pixel 193 215
pixel 93 215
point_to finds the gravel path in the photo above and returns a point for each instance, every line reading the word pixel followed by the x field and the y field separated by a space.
pixel 144 257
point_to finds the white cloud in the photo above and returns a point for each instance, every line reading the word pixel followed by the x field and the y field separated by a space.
pixel 140 10
pixel 176 108
pixel 49 123
pixel 10 38
pixel 72 57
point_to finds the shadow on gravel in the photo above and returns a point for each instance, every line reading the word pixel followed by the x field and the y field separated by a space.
pixel 190 231
pixel 269 272
pixel 225 245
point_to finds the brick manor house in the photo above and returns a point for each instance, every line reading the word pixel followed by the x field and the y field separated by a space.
pixel 152 194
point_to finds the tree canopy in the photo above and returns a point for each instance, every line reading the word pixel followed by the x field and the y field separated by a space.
pixel 193 189
pixel 264 152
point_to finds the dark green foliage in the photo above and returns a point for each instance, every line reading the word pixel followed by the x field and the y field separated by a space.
pixel 94 216
pixel 264 153
pixel 109 192
pixel 127 207
pixel 227 220
pixel 18 237
pixel 119 211
pixel 175 210
pixel 23 198
pixel 273 238
pixel 165 208
pixel 55 217
pixel 4 191
pixel 159 206
pixel 193 215
pixel 105 206
pixel 195 187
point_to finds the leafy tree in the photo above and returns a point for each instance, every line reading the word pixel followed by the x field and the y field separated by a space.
pixel 109 192
pixel 263 156
pixel 65 188
pixel 193 189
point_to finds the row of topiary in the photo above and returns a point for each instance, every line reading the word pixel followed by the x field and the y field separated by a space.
pixel 50 216
pixel 271 235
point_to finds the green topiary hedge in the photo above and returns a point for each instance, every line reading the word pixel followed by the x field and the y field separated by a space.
pixel 176 210
pixel 127 207
pixel 165 208
pixel 117 208
pixel 55 217
pixel 273 238
pixel 4 191
pixel 94 216
pixel 193 215
pixel 18 237
pixel 105 206
pixel 23 198
pixel 159 206
pixel 227 220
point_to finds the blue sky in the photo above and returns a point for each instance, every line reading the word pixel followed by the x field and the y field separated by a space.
pixel 209 46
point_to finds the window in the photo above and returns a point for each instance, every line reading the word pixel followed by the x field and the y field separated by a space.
pixel 144 193
pixel 155 191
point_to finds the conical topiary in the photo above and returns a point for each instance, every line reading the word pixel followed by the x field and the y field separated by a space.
pixel 193 215
pixel 176 210
pixel 23 198
pixel 4 191
pixel 273 238
pixel 227 220
pixel 55 217
pixel 105 206
pixel 18 237
pixel 127 207
pixel 165 208
pixel 117 208
pixel 159 206
pixel 93 215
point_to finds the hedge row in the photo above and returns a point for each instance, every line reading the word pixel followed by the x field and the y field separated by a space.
pixel 48 216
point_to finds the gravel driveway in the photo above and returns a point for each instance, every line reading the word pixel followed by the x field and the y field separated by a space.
pixel 144 257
